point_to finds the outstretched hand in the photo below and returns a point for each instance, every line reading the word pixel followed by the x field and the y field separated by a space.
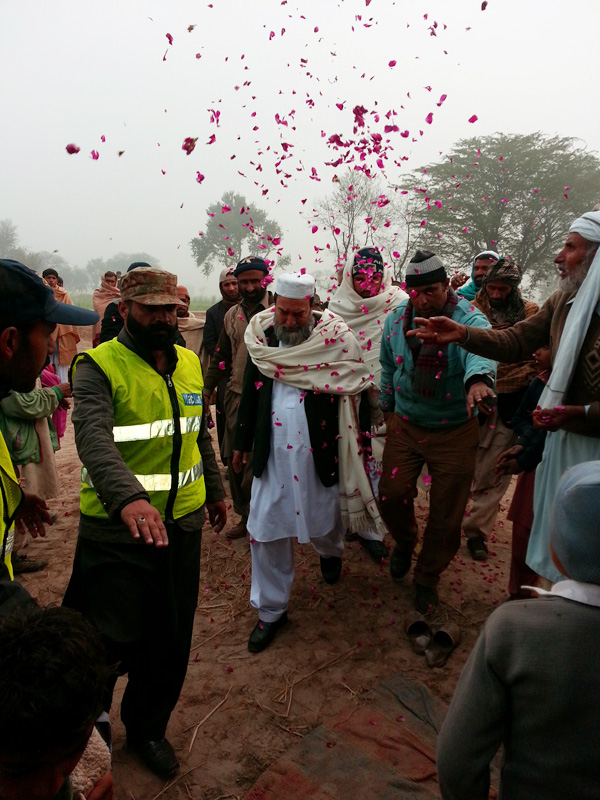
pixel 33 513
pixel 480 396
pixel 438 330
pixel 507 461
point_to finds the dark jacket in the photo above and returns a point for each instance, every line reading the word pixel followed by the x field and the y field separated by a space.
pixel 214 325
pixel 253 430
pixel 532 439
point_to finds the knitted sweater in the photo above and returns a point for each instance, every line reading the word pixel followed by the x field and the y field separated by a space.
pixel 545 328
pixel 397 370
pixel 530 684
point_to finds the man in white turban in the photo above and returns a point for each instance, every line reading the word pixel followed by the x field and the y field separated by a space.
pixel 299 414
pixel 365 296
pixel 569 321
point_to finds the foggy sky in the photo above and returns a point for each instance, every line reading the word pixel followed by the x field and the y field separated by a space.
pixel 76 71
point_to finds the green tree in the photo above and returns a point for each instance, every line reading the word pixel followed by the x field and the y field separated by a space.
pixel 234 230
pixel 514 194
pixel 363 212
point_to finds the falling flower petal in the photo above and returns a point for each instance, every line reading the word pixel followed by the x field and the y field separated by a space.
pixel 72 149
pixel 429 118
pixel 474 118
pixel 189 144
pixel 199 177
pixel 95 155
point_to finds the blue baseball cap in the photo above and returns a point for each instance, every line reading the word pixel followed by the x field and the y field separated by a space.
pixel 38 302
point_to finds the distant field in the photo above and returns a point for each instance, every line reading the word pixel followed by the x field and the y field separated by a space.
pixel 199 303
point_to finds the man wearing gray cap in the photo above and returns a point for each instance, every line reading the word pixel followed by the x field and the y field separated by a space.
pixel 569 408
pixel 301 414
pixel 215 317
pixel 431 396
pixel 148 471
pixel 531 683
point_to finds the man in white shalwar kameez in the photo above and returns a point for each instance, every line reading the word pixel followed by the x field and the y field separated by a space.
pixel 365 295
pixel 299 414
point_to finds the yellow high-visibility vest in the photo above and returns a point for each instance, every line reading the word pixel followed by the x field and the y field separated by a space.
pixel 156 417
pixel 10 499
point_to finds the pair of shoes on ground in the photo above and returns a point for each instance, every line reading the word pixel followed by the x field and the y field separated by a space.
pixel 376 549
pixel 157 755
pixel 264 633
pixel 436 645
pixel 478 548
pixel 239 532
pixel 22 564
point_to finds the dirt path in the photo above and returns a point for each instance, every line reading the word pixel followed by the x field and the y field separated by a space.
pixel 341 641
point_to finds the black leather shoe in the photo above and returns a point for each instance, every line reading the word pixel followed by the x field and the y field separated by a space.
pixel 376 549
pixel 477 548
pixel 158 756
pixel 399 564
pixel 331 568
pixel 264 633
pixel 426 599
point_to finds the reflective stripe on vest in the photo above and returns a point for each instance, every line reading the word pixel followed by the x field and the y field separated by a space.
pixel 157 483
pixel 154 416
pixel 156 429
pixel 10 499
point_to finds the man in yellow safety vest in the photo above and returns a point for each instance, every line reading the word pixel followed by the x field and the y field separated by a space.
pixel 148 471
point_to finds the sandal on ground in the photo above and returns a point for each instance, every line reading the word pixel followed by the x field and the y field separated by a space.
pixel 418 631
pixel 443 642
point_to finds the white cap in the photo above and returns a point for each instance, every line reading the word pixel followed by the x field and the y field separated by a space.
pixel 295 286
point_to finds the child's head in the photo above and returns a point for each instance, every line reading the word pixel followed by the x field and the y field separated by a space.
pixel 52 676
pixel 541 359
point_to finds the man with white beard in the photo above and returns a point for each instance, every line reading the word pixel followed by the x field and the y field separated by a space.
pixel 299 414
pixel 365 295
pixel 569 407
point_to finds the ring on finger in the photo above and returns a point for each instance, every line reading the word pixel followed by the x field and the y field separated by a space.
pixel 141 520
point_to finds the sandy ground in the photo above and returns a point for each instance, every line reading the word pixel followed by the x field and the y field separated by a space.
pixel 239 712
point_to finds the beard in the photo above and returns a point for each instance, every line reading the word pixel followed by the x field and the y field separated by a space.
pixel 158 336
pixel 294 337
pixel 254 296
pixel 572 281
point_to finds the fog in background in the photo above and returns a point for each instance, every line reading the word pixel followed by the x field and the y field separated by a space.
pixel 73 72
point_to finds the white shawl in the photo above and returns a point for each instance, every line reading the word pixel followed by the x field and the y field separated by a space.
pixel 328 361
pixel 579 318
pixel 365 316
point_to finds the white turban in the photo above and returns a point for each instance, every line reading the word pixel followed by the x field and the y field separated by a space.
pixel 588 226
pixel 580 316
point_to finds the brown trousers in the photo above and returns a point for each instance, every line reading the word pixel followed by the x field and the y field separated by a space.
pixel 450 455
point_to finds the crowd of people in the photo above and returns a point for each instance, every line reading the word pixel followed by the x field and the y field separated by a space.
pixel 327 415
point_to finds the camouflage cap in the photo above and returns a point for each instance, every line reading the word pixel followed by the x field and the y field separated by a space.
pixel 150 286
